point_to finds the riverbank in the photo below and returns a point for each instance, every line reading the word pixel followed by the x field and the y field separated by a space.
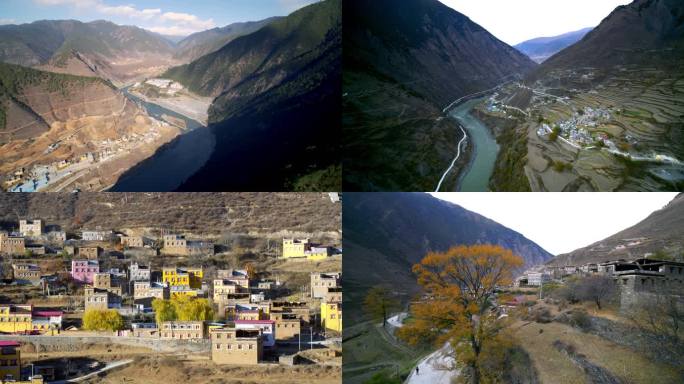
pixel 192 106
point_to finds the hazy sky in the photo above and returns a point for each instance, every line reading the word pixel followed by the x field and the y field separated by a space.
pixel 514 21
pixel 172 17
pixel 562 222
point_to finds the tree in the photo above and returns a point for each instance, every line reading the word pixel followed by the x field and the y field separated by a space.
pixel 251 272
pixel 379 303
pixel 163 311
pixel 459 288
pixel 597 288
pixel 661 317
pixel 102 320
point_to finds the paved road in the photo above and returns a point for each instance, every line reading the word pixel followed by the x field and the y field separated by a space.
pixel 434 369
pixel 453 162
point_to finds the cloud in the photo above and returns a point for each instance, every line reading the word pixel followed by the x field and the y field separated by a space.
pixel 7 21
pixel 172 23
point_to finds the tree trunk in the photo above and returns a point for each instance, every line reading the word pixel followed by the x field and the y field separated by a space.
pixel 598 303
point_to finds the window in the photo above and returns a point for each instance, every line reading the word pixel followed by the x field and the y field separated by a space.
pixel 239 346
pixel 218 346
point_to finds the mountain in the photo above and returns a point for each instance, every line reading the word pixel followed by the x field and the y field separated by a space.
pixel 57 44
pixel 541 48
pixel 47 117
pixel 645 32
pixel 663 230
pixel 205 42
pixel 385 234
pixel 206 213
pixel 276 112
pixel 404 62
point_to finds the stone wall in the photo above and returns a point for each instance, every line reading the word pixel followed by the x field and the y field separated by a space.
pixel 76 343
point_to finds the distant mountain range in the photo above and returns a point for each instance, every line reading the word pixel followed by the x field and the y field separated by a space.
pixel 385 234
pixel 541 48
pixel 201 43
pixel 663 230
pixel 404 62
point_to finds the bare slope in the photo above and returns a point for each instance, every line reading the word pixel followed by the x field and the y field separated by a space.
pixel 663 229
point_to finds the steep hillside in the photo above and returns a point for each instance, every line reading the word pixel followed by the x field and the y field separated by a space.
pixel 645 32
pixel 210 213
pixel 130 51
pixel 46 118
pixel 541 48
pixel 278 93
pixel 201 43
pixel 386 233
pixel 404 62
pixel 663 230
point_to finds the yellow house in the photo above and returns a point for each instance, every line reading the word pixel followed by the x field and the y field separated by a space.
pixel 15 318
pixel 331 310
pixel 10 360
pixel 317 253
pixel 177 291
pixel 191 277
pixel 295 247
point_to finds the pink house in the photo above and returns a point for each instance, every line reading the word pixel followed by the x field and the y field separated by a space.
pixel 83 270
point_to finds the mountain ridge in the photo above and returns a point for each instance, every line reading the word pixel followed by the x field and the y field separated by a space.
pixel 541 48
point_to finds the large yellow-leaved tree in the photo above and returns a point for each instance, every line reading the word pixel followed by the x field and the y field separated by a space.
pixel 460 286
pixel 102 320
pixel 182 308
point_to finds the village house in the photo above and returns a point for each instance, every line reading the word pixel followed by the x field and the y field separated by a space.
pixel 321 282
pixel 139 272
pixel 84 270
pixel 266 327
pixel 97 235
pixel 89 253
pixel 147 289
pixel 34 250
pixel 179 245
pixel 10 360
pixel 31 228
pixel 132 241
pixel 15 318
pixel 100 299
pixel 12 245
pixel 331 310
pixel 304 248
pixel 237 276
pixel 300 309
pixel 26 273
pixel 106 281
pixel 288 325
pixel 236 346
pixel 184 290
pixel 183 330
pixel 191 277
pixel 223 288
pixel 56 236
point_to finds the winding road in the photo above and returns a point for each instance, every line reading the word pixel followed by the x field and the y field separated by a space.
pixel 453 162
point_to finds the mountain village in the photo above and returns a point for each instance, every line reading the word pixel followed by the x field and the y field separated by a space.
pixel 233 316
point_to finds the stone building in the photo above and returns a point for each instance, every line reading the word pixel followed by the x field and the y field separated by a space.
pixel 89 253
pixel 23 272
pixel 321 282
pixel 139 272
pixel 97 235
pixel 132 241
pixel 236 346
pixel 641 279
pixel 224 288
pixel 147 289
pixel 31 228
pixel 287 325
pixel 266 327
pixel 100 299
pixel 237 276
pixel 183 330
pixel 300 309
pixel 331 310
pixel 12 245
pixel 179 245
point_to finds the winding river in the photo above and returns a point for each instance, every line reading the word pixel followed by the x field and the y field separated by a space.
pixel 174 162
pixel 485 149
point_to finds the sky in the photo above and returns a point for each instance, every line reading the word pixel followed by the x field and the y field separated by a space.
pixel 562 222
pixel 515 21
pixel 170 17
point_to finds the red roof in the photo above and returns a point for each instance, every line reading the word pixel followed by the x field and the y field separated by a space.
pixel 47 313
pixel 254 321
pixel 9 343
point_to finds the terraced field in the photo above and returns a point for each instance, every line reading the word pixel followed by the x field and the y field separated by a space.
pixel 639 146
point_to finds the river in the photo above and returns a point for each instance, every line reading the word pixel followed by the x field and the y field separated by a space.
pixel 174 162
pixel 485 149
